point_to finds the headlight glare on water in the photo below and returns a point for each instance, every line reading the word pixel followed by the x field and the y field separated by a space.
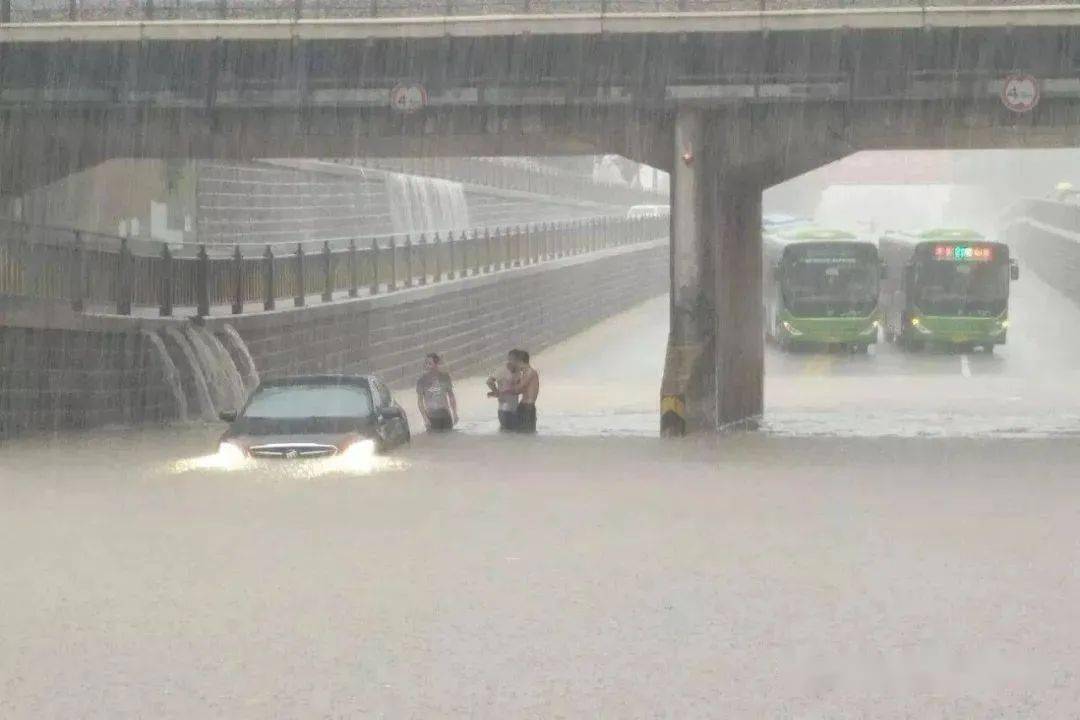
pixel 361 450
pixel 230 455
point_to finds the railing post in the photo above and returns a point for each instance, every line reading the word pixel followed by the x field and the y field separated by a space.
pixel 78 275
pixel 328 272
pixel 408 261
pixel 5 11
pixel 268 279
pixel 477 261
pixel 301 294
pixel 73 10
pixel 123 279
pixel 487 250
pixel 438 258
pixel 298 9
pixel 391 285
pixel 165 292
pixel 148 9
pixel 422 244
pixel 202 283
pixel 222 9
pixel 353 289
pixel 238 282
pixel 374 266
pixel 450 247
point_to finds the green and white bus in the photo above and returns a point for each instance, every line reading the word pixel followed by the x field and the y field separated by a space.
pixel 821 287
pixel 946 287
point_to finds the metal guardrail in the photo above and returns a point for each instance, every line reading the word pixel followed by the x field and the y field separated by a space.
pixel 117 275
pixel 21 11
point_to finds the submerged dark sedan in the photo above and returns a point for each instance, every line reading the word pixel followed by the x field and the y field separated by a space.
pixel 315 416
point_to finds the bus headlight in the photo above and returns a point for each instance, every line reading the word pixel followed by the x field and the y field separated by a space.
pixel 1005 324
pixel 917 324
pixel 871 328
pixel 791 329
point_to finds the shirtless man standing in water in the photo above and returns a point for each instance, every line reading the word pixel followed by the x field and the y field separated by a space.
pixel 527 384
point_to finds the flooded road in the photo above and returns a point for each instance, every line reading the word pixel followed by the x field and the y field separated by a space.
pixel 829 567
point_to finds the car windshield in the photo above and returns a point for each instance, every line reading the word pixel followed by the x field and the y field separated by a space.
pixel 309 401
pixel 838 280
pixel 957 288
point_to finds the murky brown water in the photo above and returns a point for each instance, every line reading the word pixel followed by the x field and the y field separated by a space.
pixel 481 575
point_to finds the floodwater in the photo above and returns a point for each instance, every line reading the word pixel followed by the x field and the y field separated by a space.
pixel 828 567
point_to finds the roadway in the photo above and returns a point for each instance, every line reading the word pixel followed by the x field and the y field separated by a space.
pixel 829 566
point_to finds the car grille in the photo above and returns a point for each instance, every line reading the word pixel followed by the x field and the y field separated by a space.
pixel 293 451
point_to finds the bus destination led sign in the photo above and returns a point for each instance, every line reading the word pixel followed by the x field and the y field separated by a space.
pixel 963 252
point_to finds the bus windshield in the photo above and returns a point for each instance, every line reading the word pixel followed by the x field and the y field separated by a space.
pixel 964 289
pixel 830 280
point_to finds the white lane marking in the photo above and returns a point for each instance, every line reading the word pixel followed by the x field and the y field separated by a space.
pixel 965 366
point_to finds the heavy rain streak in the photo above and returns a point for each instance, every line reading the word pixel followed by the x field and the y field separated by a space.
pixel 539 359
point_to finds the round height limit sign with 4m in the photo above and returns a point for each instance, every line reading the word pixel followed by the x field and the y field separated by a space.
pixel 1020 93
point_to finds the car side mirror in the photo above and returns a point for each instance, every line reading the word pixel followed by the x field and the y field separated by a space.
pixel 390 413
pixel 228 415
pixel 1014 272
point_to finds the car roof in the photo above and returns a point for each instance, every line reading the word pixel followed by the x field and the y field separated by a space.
pixel 359 380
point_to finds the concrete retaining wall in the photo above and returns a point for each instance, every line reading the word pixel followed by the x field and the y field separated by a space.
pixel 63 370
pixel 57 379
pixel 471 322
pixel 1045 236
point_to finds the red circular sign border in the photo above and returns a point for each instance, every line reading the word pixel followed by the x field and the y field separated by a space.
pixel 406 86
pixel 1034 101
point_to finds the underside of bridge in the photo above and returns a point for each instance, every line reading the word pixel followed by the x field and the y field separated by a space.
pixel 729 114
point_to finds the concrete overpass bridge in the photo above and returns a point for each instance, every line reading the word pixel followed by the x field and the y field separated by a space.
pixel 731 100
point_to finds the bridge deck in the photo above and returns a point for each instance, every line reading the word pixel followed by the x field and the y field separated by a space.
pixel 438 18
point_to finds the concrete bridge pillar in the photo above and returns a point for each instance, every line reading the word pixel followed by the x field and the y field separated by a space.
pixel 713 375
pixel 739 360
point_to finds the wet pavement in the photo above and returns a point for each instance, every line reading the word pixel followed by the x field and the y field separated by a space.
pixel 837 565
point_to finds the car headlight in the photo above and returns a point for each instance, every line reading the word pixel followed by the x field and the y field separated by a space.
pixel 1005 324
pixel 360 450
pixel 230 454
pixel 791 329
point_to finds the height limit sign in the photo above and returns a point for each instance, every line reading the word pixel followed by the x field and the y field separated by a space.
pixel 1020 93
pixel 408 98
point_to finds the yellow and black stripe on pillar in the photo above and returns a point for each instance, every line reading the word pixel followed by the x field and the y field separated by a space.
pixel 672 415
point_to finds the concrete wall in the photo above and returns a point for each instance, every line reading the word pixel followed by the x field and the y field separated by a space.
pixel 63 378
pixel 62 370
pixel 471 322
pixel 1045 236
